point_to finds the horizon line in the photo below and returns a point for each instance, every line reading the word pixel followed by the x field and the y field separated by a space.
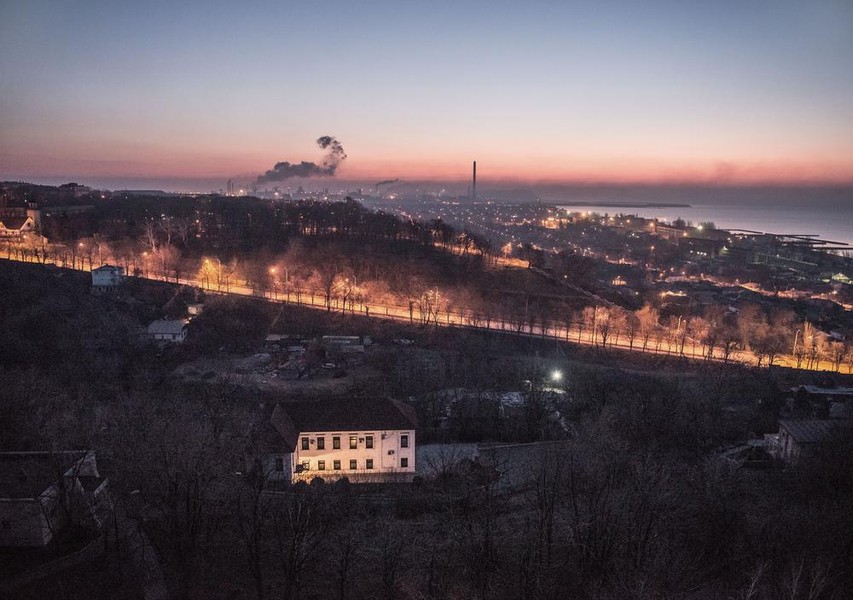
pixel 500 181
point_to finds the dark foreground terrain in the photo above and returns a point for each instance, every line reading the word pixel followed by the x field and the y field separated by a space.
pixel 622 496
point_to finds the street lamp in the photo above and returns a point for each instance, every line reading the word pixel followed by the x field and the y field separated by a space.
pixel 218 272
pixel 274 283
pixel 794 348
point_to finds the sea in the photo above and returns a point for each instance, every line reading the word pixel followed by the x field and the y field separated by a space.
pixel 826 212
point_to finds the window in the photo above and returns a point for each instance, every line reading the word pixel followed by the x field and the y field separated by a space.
pixel 353 442
pixel 321 442
pixel 368 441
pixel 368 464
pixel 337 465
pixel 321 465
pixel 306 465
pixel 305 443
pixel 404 440
pixel 353 464
pixel 404 462
pixel 336 442
pixel 279 464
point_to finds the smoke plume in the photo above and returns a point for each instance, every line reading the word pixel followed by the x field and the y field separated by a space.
pixel 331 161
pixel 386 182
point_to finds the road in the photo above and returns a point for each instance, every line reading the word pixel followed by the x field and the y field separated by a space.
pixel 469 320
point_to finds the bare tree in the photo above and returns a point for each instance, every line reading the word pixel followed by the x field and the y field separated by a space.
pixel 150 232
pixel 648 323
pixel 252 515
pixel 299 525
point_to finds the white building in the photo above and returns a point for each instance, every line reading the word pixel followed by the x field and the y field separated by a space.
pixel 40 492
pixel 165 330
pixel 107 278
pixel 364 440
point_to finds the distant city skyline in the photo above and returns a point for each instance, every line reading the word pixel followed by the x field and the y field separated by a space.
pixel 549 92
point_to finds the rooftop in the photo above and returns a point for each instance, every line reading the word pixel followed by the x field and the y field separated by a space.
pixel 809 432
pixel 108 268
pixel 165 326
pixel 13 222
pixel 341 415
pixel 29 474
pixel 817 390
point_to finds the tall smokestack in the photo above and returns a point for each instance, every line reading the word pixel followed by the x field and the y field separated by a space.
pixel 474 185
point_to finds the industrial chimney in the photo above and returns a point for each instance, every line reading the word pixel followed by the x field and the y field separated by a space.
pixel 474 185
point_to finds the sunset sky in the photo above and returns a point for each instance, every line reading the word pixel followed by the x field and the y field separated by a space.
pixel 650 91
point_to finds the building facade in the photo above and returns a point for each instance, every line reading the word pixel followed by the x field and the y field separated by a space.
pixel 800 440
pixel 106 278
pixel 164 330
pixel 360 439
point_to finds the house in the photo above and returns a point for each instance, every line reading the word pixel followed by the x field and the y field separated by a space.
pixel 800 439
pixel 364 440
pixel 106 278
pixel 822 402
pixel 73 190
pixel 165 330
pixel 826 394
pixel 14 226
pixel 345 344
pixel 42 492
pixel 15 221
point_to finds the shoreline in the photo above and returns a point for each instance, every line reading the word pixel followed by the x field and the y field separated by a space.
pixel 623 204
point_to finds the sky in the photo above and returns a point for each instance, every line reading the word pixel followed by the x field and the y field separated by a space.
pixel 740 92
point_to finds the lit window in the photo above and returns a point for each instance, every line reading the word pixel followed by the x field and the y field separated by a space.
pixel 404 441
pixel 279 463
pixel 353 464
pixel 336 442
pixel 305 443
pixel 336 465
pixel 368 463
pixel 353 442
pixel 368 441
pixel 321 443
pixel 321 465
pixel 404 462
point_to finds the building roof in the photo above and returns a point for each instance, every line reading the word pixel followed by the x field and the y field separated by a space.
pixel 808 432
pixel 824 391
pixel 340 415
pixel 108 268
pixel 165 326
pixel 29 474
pixel 15 223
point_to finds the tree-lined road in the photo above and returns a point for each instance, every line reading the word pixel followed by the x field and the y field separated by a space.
pixel 436 315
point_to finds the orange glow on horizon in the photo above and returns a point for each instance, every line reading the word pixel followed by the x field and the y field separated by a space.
pixel 572 170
